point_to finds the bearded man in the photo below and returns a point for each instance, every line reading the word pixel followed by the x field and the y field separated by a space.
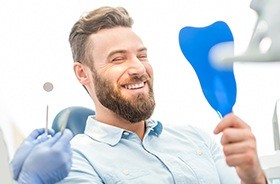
pixel 121 143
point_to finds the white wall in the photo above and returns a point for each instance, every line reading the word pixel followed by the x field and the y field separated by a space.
pixel 34 50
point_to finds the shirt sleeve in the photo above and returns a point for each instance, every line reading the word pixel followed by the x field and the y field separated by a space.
pixel 226 173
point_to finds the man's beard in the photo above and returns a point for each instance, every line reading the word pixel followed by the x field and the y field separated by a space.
pixel 138 109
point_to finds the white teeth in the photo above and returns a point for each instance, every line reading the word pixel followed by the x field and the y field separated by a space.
pixel 134 86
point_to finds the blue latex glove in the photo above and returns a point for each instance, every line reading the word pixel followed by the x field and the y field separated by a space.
pixel 49 162
pixel 37 136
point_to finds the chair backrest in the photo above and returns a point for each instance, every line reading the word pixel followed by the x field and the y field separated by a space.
pixel 73 118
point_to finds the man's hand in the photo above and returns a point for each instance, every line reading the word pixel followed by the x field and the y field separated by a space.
pixel 239 146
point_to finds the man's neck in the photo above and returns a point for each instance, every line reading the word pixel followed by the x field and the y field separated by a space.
pixel 113 119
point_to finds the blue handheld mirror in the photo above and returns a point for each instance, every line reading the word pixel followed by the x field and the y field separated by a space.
pixel 203 47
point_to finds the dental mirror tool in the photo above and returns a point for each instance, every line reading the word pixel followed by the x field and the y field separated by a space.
pixel 48 87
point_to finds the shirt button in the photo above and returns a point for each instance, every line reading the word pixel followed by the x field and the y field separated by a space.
pixel 198 152
pixel 125 172
pixel 126 133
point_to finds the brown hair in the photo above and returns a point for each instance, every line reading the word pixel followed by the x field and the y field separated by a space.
pixel 101 18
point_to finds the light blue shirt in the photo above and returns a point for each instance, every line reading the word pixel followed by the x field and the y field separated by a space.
pixel 108 154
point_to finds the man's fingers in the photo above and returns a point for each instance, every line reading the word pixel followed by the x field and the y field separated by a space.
pixel 233 135
pixel 235 160
pixel 230 121
pixel 241 160
pixel 238 148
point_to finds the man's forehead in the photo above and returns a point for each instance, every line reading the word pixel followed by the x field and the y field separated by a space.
pixel 119 38
pixel 114 33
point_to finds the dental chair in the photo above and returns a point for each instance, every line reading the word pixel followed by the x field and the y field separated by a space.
pixel 73 118
pixel 271 163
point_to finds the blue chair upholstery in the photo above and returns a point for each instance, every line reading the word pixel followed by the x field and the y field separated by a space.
pixel 73 118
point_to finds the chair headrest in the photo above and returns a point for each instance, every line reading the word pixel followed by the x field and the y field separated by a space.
pixel 73 118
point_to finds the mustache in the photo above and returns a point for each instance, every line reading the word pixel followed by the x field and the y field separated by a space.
pixel 143 78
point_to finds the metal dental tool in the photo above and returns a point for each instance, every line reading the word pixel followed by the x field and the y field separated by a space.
pixel 48 87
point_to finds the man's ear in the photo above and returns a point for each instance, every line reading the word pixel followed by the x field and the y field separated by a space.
pixel 82 73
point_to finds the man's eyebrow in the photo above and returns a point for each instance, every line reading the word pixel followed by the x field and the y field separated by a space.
pixel 115 52
pixel 124 51
pixel 142 49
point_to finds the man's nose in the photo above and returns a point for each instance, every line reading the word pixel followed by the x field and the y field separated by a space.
pixel 136 67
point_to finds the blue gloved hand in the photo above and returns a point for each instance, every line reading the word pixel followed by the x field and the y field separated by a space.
pixel 37 136
pixel 49 162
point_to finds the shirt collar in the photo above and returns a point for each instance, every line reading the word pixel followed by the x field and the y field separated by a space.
pixel 153 127
pixel 111 134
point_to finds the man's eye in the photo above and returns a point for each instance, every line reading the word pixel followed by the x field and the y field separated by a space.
pixel 142 57
pixel 118 59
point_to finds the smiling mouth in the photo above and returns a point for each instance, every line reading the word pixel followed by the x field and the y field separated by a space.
pixel 134 86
